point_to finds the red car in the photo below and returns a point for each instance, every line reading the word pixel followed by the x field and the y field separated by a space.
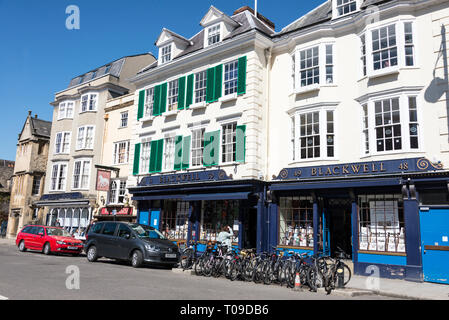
pixel 48 240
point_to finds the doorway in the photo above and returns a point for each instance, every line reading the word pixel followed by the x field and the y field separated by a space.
pixel 338 222
pixel 250 229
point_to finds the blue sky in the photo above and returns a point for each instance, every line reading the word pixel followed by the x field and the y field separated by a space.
pixel 39 55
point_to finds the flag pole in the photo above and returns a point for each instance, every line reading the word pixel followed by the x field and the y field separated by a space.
pixel 255 8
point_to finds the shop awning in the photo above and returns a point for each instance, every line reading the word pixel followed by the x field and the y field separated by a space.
pixel 218 196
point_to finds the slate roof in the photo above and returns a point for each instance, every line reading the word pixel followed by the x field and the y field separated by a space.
pixel 115 67
pixel 321 14
pixel 40 127
pixel 247 21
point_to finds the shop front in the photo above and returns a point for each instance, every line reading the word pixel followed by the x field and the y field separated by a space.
pixel 195 206
pixel 115 213
pixel 370 211
pixel 70 211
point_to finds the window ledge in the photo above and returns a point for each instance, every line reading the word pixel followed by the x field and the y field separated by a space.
pixel 147 118
pixel 229 97
pixel 199 105
pixel 88 111
pixel 309 88
pixel 383 72
pixel 170 113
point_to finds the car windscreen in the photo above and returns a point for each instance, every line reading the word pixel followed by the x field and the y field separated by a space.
pixel 145 232
pixel 57 232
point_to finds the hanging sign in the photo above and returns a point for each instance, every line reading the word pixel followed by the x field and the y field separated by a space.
pixel 103 180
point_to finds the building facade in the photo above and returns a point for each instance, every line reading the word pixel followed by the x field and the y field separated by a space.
pixel 116 164
pixel 29 174
pixel 77 140
pixel 363 86
pixel 199 133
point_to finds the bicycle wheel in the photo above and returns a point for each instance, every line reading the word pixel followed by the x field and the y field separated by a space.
pixel 346 273
pixel 234 270
pixel 312 279
pixel 186 259
pixel 258 272
pixel 268 273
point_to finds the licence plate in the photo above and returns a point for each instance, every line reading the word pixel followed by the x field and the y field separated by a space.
pixel 72 248
pixel 170 255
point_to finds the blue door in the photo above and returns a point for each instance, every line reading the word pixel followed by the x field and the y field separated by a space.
pixel 435 244
pixel 155 217
pixel 144 218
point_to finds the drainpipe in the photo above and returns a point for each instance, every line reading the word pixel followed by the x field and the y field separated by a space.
pixel 268 55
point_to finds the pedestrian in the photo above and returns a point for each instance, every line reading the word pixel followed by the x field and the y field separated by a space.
pixel 3 228
pixel 225 237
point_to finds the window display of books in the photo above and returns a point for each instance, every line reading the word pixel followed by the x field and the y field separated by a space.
pixel 299 236
pixel 382 239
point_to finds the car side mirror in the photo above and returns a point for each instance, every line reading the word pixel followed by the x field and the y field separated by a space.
pixel 40 234
pixel 127 236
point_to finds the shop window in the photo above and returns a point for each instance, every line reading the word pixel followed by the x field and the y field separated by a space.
pixel 175 220
pixel 433 197
pixel 217 214
pixel 381 223
pixel 296 221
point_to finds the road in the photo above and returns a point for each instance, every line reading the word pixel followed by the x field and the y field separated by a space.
pixel 32 275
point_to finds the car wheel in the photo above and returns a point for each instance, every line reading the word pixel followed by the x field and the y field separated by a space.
pixel 92 254
pixel 22 247
pixel 47 249
pixel 137 259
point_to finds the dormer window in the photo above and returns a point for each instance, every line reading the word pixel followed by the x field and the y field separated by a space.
pixel 344 7
pixel 213 34
pixel 165 54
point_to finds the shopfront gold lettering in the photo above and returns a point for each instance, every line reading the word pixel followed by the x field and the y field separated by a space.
pixel 355 168
pixel 345 170
pixel 328 172
pixel 336 171
pixel 313 172
pixel 365 168
pixel 382 169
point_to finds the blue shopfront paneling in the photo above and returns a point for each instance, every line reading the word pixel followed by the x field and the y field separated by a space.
pixel 144 218
pixel 296 250
pixel 382 259
pixel 435 244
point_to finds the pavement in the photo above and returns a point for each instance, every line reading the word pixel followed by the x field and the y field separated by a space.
pixel 363 286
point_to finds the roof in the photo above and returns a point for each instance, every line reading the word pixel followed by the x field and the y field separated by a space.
pixel 245 18
pixel 40 127
pixel 113 68
pixel 321 14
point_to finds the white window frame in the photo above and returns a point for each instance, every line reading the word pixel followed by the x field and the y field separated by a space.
pixel 145 155
pixel 218 31
pixel 335 7
pixel 322 64
pixel 172 95
pixel 165 53
pixel 56 177
pixel 169 153
pixel 231 80
pixel 149 102
pixel 81 181
pixel 65 140
pixel 124 119
pixel 404 122
pixel 113 198
pixel 116 155
pixel 400 45
pixel 195 148
pixel 222 145
pixel 63 110
pixel 81 144
pixel 323 132
pixel 200 86
pixel 88 98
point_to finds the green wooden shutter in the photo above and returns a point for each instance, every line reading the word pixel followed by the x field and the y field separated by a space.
pixel 186 152
pixel 211 148
pixel 218 81
pixel 157 101
pixel 178 153
pixel 241 83
pixel 189 94
pixel 140 110
pixel 136 159
pixel 160 150
pixel 181 93
pixel 240 151
pixel 210 89
pixel 153 156
pixel 163 101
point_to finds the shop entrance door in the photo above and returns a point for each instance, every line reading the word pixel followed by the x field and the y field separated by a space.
pixel 435 244
pixel 144 218
pixel 338 214
pixel 250 229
